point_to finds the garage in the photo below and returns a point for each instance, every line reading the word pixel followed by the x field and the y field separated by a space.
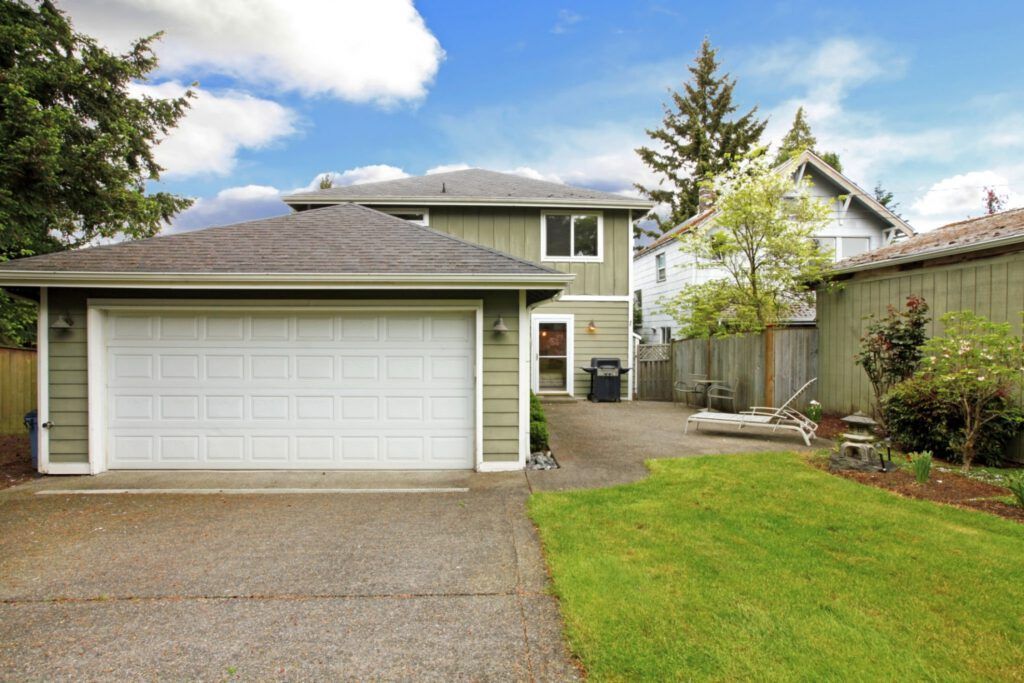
pixel 273 389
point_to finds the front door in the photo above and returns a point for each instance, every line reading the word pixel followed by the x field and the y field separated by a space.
pixel 552 344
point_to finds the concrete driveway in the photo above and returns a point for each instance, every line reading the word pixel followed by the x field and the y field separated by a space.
pixel 428 586
pixel 329 584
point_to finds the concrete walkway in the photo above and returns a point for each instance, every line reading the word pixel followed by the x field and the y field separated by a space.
pixel 447 583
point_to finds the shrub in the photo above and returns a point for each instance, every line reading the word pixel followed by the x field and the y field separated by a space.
pixel 538 425
pixel 918 419
pixel 921 463
pixel 814 411
pixel 1016 486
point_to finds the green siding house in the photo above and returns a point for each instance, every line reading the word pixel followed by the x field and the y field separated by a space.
pixel 394 325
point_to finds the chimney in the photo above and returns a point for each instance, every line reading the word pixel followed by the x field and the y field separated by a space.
pixel 705 198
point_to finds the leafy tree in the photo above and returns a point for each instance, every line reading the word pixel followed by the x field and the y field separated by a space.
pixel 890 350
pixel 994 203
pixel 699 138
pixel 77 146
pixel 886 199
pixel 800 138
pixel 326 181
pixel 761 241
pixel 974 367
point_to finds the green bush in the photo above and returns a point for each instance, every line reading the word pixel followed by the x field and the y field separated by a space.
pixel 921 463
pixel 538 425
pixel 918 419
pixel 1016 486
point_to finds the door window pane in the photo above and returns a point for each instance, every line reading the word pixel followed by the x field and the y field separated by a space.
pixel 585 243
pixel 855 245
pixel 552 339
pixel 559 235
pixel 552 374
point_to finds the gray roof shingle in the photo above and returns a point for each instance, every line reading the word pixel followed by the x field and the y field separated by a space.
pixel 346 239
pixel 974 232
pixel 470 185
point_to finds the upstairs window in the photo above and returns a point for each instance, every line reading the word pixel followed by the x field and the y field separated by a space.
pixel 853 246
pixel 659 266
pixel 417 216
pixel 571 236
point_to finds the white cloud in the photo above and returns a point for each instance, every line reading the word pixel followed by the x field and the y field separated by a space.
pixel 215 128
pixel 566 19
pixel 357 176
pixel 961 196
pixel 232 205
pixel 379 51
pixel 446 168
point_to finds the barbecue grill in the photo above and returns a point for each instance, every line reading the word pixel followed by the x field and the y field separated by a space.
pixel 605 379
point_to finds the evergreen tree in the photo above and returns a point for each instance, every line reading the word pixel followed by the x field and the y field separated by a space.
pixel 699 138
pixel 800 138
pixel 886 198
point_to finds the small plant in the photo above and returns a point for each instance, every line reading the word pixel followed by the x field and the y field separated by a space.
pixel 538 425
pixel 1016 486
pixel 814 411
pixel 921 463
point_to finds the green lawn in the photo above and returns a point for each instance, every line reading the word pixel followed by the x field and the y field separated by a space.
pixel 759 566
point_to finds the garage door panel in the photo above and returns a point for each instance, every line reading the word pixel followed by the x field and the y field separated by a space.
pixel 312 391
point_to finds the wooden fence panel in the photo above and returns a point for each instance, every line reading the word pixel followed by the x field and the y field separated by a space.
pixel 654 372
pixel 17 388
pixel 796 363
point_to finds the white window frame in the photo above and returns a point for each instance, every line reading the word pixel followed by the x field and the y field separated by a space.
pixel 842 245
pixel 392 210
pixel 570 347
pixel 660 267
pixel 665 335
pixel 572 237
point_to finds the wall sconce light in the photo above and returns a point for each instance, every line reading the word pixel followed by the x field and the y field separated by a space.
pixel 592 327
pixel 499 325
pixel 63 322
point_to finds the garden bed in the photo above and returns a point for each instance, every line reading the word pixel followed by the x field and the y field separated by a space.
pixel 947 487
pixel 15 464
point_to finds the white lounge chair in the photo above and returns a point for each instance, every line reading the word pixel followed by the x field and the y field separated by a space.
pixel 783 417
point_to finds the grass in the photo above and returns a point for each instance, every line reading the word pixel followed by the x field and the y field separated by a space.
pixel 761 567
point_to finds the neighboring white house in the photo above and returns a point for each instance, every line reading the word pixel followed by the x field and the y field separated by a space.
pixel 859 223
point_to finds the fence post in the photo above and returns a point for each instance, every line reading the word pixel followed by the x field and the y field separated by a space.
pixel 769 366
pixel 708 366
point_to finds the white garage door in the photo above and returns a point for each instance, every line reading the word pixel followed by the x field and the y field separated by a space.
pixel 220 390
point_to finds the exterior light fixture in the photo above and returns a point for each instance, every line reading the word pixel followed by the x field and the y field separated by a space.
pixel 499 325
pixel 592 327
pixel 63 322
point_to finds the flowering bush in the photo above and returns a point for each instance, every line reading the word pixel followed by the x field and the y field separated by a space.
pixel 975 368
pixel 814 411
pixel 890 350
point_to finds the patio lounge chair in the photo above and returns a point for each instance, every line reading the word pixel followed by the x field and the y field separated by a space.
pixel 783 417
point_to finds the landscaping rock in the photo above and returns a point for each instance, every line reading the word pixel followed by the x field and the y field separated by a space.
pixel 542 460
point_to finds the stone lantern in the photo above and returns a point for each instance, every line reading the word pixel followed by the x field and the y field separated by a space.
pixel 858 450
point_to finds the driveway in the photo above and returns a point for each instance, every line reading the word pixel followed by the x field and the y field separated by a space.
pixel 447 583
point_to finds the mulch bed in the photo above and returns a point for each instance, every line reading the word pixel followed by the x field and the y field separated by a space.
pixel 15 460
pixel 830 426
pixel 943 487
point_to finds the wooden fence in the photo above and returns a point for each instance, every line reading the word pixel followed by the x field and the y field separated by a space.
pixel 762 369
pixel 17 388
pixel 654 372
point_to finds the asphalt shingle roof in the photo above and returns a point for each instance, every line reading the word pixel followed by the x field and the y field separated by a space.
pixel 467 185
pixel 342 239
pixel 967 233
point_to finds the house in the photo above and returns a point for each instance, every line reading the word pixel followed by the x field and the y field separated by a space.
pixel 859 224
pixel 975 265
pixel 394 325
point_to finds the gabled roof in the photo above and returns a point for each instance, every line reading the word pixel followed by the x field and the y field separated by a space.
pixel 975 234
pixel 471 186
pixel 792 166
pixel 346 243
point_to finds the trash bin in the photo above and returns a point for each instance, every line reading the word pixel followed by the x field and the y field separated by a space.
pixel 32 422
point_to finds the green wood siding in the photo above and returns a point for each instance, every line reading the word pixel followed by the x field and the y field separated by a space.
pixel 993 287
pixel 611 339
pixel 68 383
pixel 517 231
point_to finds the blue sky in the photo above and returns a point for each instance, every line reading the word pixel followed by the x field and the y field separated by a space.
pixel 922 96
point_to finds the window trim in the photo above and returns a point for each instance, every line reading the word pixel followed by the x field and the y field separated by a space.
pixel 572 237
pixel 660 271
pixel 392 210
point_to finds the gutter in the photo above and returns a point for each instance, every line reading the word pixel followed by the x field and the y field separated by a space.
pixel 319 200
pixel 930 255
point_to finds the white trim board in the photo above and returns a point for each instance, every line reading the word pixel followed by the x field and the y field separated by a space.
pixel 629 311
pixel 96 352
pixel 524 380
pixel 43 383
pixel 617 298
pixel 570 349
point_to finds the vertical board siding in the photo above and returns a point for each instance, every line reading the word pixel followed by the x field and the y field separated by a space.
pixel 993 287
pixel 609 340
pixel 740 362
pixel 68 378
pixel 17 388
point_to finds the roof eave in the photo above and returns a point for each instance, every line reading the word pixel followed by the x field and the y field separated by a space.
pixel 26 278
pixel 931 255
pixel 373 200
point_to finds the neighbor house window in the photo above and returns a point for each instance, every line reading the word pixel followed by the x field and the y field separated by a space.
pixel 827 245
pixel 659 265
pixel 417 216
pixel 666 335
pixel 855 245
pixel 571 236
